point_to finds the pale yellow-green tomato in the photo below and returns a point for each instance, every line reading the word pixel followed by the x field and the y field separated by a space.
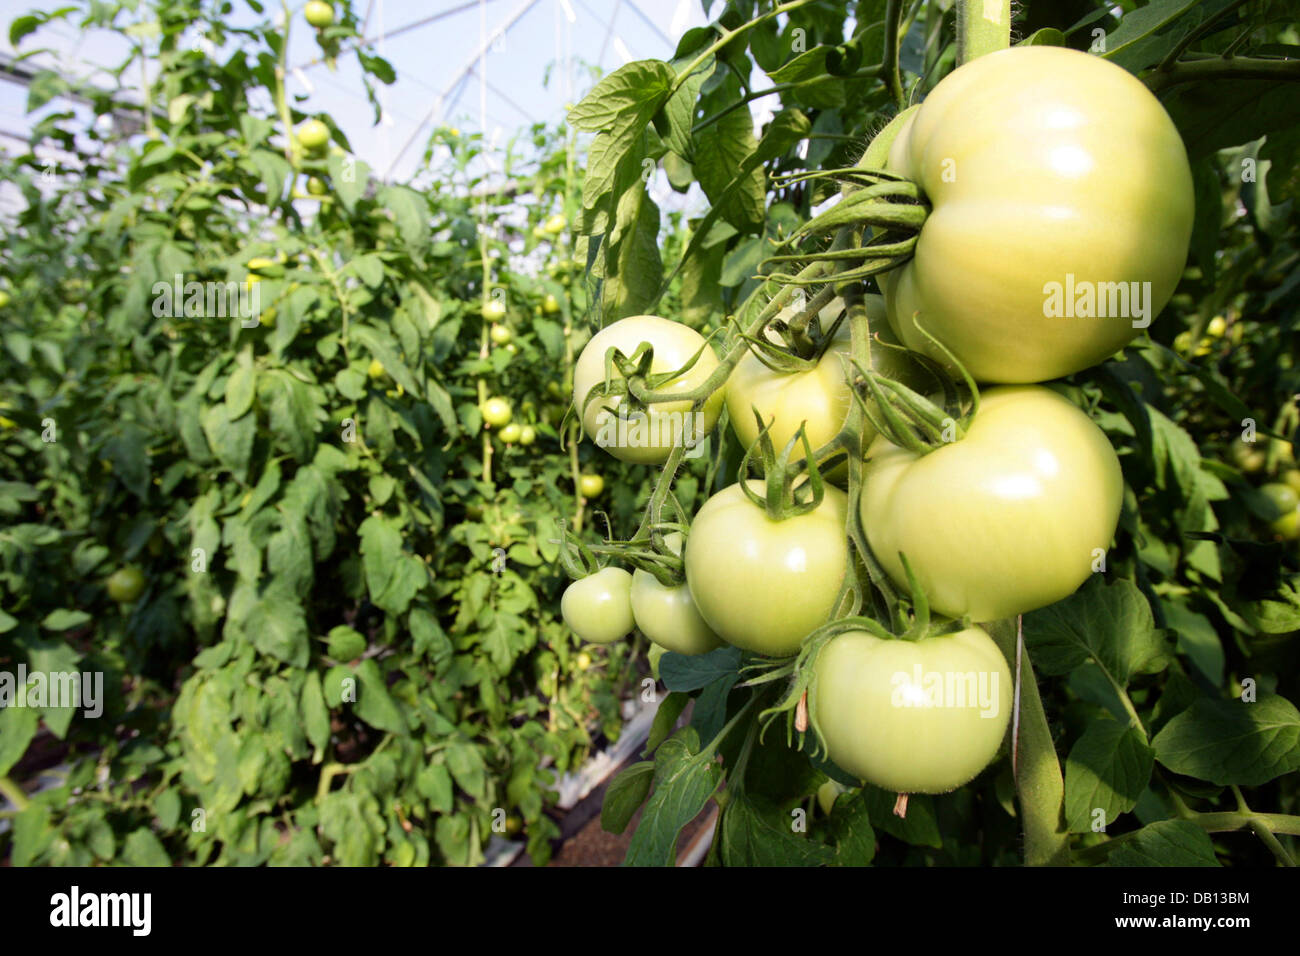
pixel 598 608
pixel 1054 178
pixel 820 397
pixel 646 437
pixel 912 716
pixel 667 615
pixel 1011 517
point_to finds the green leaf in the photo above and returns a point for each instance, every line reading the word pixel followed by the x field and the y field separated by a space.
pixel 918 828
pixel 240 386
pixel 625 795
pixel 278 628
pixel 1167 843
pixel 1197 639
pixel 757 833
pixel 434 784
pixel 1112 624
pixel 721 150
pixel 850 828
pixel 683 783
pixel 374 704
pixel 1108 768
pixel 465 762
pixel 393 576
pixel 686 672
pixel 64 620
pixel 315 717
pixel 1232 741
pixel 17 728
pixel 345 643
pixel 670 708
pixel 143 848
pixel 618 109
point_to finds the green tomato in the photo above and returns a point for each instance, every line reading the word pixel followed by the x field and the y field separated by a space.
pixel 646 437
pixel 501 334
pixel 1217 327
pixel 5 298
pixel 511 433
pixel 1292 479
pixel 667 615
pixel 125 584
pixel 582 661
pixel 1287 527
pixel 590 486
pixel 827 794
pixel 318 13
pixel 550 305
pixel 496 411
pixel 316 186
pixel 764 585
pixel 1282 498
pixel 1051 174
pixel 313 135
pixel 1010 518
pixel 819 398
pixel 1249 458
pixel 912 716
pixel 598 608
pixel 527 435
pixel 375 369
pixel 494 310
pixel 555 224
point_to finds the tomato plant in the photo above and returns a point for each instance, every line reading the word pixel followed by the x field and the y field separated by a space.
pixel 1085 207
pixel 350 649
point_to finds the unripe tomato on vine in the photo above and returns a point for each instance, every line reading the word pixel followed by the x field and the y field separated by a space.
pixel 1011 517
pixel 598 608
pixel 318 13
pixel 496 411
pixel 1061 214
pixel 912 716
pixel 646 436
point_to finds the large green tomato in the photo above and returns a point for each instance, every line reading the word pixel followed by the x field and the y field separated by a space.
pixel 820 396
pixel 1010 518
pixel 598 608
pixel 1055 180
pixel 912 716
pixel 645 438
pixel 764 585
pixel 667 616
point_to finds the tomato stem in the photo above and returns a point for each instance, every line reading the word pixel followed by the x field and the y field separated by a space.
pixel 1039 782
pixel 983 26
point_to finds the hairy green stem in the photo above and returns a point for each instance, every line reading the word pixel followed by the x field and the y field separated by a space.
pixel 983 26
pixel 1222 68
pixel 1038 771
pixel 14 794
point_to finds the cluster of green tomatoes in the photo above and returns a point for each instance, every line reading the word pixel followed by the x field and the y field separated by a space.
pixel 976 510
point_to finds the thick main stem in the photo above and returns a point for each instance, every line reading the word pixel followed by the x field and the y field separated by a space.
pixel 1038 772
pixel 983 26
